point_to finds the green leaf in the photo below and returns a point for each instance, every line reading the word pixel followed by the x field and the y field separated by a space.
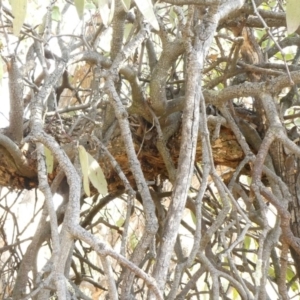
pixel 247 242
pixel 146 8
pixel 91 171
pixel 49 160
pixel 290 274
pixel 235 294
pixel 96 175
pixel 19 8
pixel 297 121
pixel 126 4
pixel 249 180
pixel 279 56
pixel 271 272
pixel 106 13
pixel 193 217
pixel 292 15
pixel 103 6
pixel 127 30
pixel 84 162
pixel 90 5
pixel 56 16
pixel 173 17
pixel 112 11
pixel 120 222
pixel 133 241
pixel 289 56
pixel 79 4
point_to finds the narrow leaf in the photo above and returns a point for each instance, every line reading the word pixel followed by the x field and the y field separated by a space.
pixel 146 8
pixel 79 4
pixel 247 242
pixel 120 222
pixel 19 8
pixel 49 160
pixel 133 241
pixel 96 176
pixel 292 15
pixel 126 4
pixel 90 5
pixel 84 162
pixel 103 6
pixel 56 15
pixel 173 17
pixel 112 11
pixel 193 217
pixel 127 31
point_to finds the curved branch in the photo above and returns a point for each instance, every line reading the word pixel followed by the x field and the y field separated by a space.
pixel 170 53
pixel 23 167
pixel 250 89
pixel 16 101
pixel 138 98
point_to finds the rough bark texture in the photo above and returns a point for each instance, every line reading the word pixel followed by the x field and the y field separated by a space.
pixel 174 112
pixel 226 150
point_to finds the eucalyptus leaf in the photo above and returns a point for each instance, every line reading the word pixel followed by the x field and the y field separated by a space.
pixel 247 242
pixel 146 8
pixel 193 216
pixel 104 10
pixel 290 274
pixel 84 162
pixel 292 15
pixel 79 4
pixel 56 15
pixel 90 5
pixel 112 11
pixel 49 160
pixel 19 8
pixel 126 4
pixel 96 175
